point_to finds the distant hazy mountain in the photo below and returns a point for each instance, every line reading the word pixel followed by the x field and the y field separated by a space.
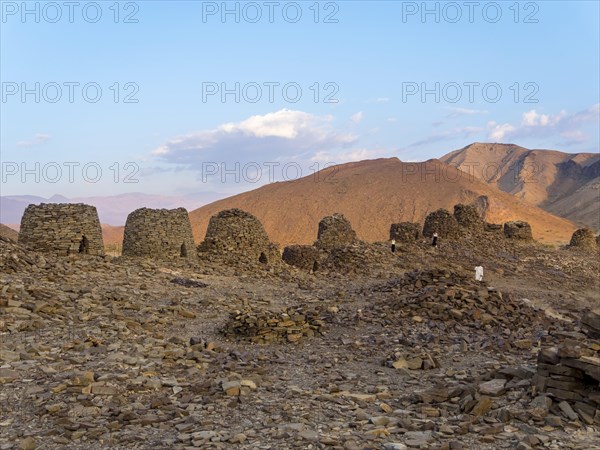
pixel 111 209
pixel 374 194
pixel 564 184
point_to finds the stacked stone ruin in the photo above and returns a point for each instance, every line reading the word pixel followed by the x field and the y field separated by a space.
pixel 569 373
pixel 237 237
pixel 441 222
pixel 468 216
pixel 62 229
pixel 306 257
pixel 405 232
pixel 159 234
pixel 335 231
pixel 518 230
pixel 584 239
pixel 264 327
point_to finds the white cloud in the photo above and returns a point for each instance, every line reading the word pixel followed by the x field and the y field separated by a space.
pixel 392 119
pixel 499 132
pixel 457 112
pixel 535 124
pixel 382 100
pixel 331 158
pixel 356 118
pixel 280 134
pixel 38 139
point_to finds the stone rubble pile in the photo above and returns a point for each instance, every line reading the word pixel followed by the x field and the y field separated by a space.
pixel 446 296
pixel 265 327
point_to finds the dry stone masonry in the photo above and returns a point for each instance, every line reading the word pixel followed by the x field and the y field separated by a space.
pixel 441 222
pixel 335 231
pixel 583 238
pixel 468 216
pixel 405 232
pixel 235 236
pixel 159 234
pixel 263 327
pixel 62 229
pixel 570 374
pixel 306 257
pixel 519 230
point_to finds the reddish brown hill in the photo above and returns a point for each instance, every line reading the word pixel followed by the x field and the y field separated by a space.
pixel 9 232
pixel 112 236
pixel 372 195
pixel 562 183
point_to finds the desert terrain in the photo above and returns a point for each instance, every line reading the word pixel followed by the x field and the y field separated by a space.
pixel 373 350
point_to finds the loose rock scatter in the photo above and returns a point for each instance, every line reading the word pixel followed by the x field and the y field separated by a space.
pixel 345 347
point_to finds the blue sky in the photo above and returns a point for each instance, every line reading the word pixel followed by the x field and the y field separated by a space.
pixel 519 72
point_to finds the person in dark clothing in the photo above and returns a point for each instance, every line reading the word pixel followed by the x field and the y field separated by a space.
pixel 434 240
pixel 393 246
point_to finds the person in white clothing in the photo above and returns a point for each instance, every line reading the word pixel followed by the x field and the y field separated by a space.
pixel 479 273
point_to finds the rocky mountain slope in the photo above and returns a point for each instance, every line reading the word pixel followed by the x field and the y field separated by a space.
pixel 374 194
pixel 564 184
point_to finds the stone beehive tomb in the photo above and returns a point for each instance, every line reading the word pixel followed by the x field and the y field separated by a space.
pixel 583 238
pixel 441 222
pixel 237 235
pixel 159 234
pixel 307 257
pixel 335 231
pixel 62 229
pixel 468 216
pixel 518 230
pixel 405 232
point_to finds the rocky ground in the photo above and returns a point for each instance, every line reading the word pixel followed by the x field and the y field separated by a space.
pixel 372 353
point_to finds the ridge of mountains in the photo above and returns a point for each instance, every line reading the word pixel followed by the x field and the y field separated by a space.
pixel 555 192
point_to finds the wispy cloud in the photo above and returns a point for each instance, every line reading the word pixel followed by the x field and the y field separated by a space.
pixel 534 124
pixel 356 118
pixel 458 112
pixel 329 158
pixel 38 139
pixel 454 133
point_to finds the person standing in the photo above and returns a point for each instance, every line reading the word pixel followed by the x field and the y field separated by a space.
pixel 434 240
pixel 393 245
pixel 479 273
